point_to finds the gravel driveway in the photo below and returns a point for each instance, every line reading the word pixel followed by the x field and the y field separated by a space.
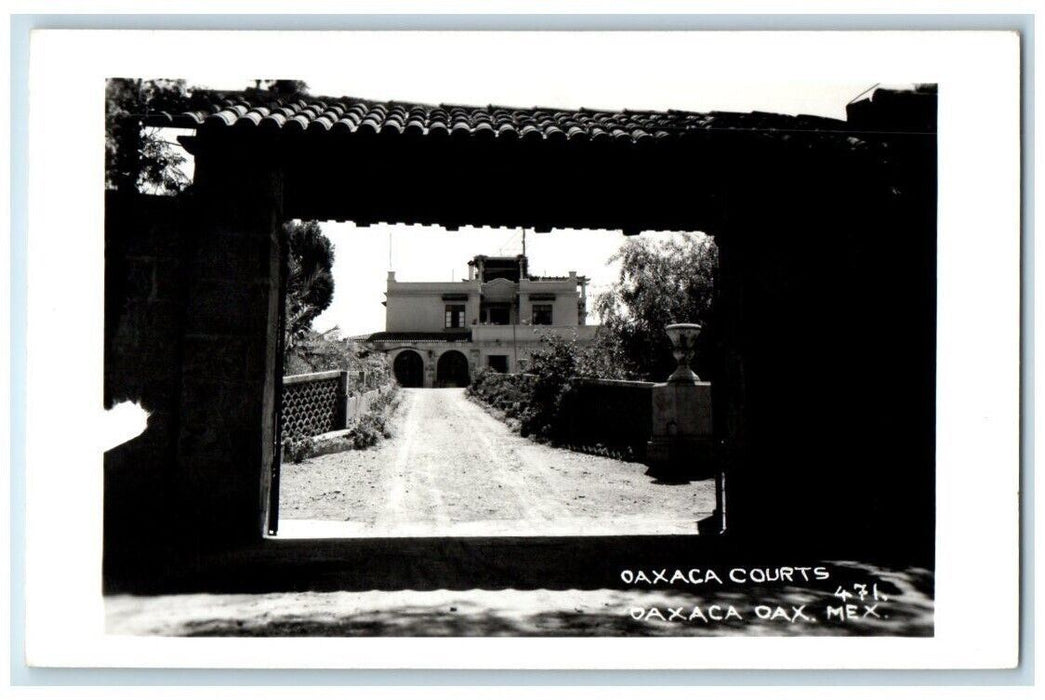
pixel 453 469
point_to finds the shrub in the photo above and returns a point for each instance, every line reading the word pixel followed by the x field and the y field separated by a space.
pixel 366 432
pixel 319 353
pixel 552 367
pixel 543 400
pixel 298 449
pixel 375 423
pixel 509 393
pixel 537 399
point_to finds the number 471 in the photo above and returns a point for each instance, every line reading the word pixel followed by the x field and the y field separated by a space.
pixel 861 592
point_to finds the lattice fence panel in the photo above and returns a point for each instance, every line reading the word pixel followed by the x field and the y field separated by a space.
pixel 311 408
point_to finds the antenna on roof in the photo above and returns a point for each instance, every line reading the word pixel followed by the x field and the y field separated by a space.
pixel 862 94
pixel 524 241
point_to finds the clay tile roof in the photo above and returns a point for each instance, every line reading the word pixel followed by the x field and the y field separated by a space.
pixel 421 336
pixel 298 122
pixel 352 115
pixel 484 129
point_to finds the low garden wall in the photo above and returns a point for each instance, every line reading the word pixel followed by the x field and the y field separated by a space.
pixel 312 404
pixel 322 402
pixel 327 412
pixel 602 415
pixel 607 413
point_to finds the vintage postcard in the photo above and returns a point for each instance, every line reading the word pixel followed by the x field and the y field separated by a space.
pixel 407 341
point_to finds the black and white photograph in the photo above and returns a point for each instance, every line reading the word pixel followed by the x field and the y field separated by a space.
pixel 559 348
pixel 613 346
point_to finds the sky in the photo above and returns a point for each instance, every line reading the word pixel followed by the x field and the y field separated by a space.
pixel 525 70
pixel 431 254
pixel 595 70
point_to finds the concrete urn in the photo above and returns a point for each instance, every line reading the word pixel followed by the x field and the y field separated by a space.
pixel 683 338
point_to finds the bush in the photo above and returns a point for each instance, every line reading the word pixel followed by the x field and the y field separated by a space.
pixel 543 399
pixel 375 423
pixel 318 353
pixel 505 392
pixel 553 366
pixel 367 431
pixel 537 399
pixel 298 449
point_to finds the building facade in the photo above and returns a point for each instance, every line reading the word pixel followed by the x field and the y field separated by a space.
pixel 441 333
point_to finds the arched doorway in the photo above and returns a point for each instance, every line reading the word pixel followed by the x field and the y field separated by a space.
pixel 409 369
pixel 452 369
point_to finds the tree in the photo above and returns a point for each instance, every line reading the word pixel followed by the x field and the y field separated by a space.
pixel 137 157
pixel 310 283
pixel 661 282
pixel 324 352
pixel 280 88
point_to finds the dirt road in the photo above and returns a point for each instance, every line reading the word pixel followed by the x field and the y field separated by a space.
pixel 453 469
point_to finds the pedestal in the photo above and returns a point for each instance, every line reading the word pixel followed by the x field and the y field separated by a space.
pixel 682 435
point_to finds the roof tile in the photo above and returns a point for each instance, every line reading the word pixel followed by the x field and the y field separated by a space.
pixel 346 114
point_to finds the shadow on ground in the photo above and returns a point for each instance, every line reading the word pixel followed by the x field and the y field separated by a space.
pixel 900 602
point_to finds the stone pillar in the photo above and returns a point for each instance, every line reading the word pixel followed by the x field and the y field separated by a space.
pixel 343 398
pixel 729 396
pixel 682 434
pixel 682 443
pixel 226 453
pixel 144 329
pixel 430 366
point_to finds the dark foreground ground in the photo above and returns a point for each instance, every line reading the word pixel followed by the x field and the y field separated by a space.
pixel 863 600
pixel 458 527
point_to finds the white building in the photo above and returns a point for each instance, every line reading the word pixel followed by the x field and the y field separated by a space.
pixel 441 333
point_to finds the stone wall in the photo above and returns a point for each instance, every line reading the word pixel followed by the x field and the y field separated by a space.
pixel 599 415
pixel 145 292
pixel 192 305
pixel 612 415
